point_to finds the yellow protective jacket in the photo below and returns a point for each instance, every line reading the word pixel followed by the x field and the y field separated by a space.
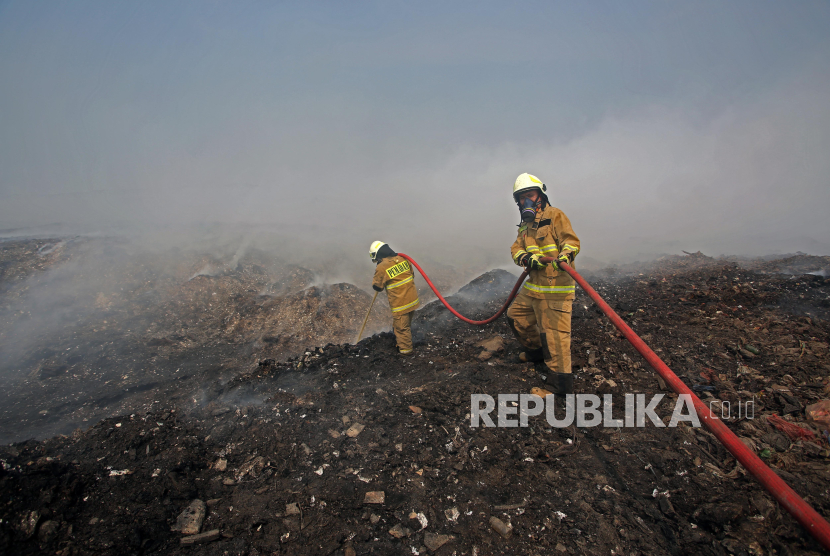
pixel 549 235
pixel 395 274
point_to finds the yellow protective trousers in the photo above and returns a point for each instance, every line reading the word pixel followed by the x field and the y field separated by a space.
pixel 402 324
pixel 544 323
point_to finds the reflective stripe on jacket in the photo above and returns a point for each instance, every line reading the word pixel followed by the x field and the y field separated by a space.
pixel 549 235
pixel 395 274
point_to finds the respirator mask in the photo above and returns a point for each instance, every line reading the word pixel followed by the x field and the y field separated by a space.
pixel 527 208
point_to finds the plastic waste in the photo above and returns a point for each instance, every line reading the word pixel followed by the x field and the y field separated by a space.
pixel 819 414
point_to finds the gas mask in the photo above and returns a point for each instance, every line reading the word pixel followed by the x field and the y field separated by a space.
pixel 527 208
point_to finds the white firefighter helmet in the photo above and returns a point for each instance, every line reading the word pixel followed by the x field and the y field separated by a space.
pixel 374 248
pixel 526 182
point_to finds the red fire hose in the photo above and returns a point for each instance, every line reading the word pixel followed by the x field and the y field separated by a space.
pixel 456 313
pixel 781 491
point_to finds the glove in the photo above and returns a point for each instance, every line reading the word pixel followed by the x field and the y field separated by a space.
pixel 562 258
pixel 523 259
pixel 535 262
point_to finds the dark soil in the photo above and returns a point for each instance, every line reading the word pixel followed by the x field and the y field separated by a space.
pixel 91 328
pixel 272 452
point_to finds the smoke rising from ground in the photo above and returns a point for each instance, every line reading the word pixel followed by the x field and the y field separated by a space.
pixel 182 149
pixel 749 180
pixel 656 129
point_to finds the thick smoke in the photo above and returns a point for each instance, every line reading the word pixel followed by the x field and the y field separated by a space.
pixel 748 180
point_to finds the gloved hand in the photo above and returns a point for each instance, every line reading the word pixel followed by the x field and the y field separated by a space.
pixel 562 258
pixel 523 259
pixel 535 262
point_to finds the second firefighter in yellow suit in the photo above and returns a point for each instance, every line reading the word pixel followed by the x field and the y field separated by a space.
pixel 540 317
pixel 394 274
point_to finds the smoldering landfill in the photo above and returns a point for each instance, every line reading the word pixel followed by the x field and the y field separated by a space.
pixel 229 414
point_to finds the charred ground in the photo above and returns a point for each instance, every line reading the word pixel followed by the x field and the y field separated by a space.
pixel 284 451
pixel 91 328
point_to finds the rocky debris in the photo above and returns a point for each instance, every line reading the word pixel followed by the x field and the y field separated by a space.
pixel 818 414
pixel 374 497
pixel 189 522
pixel 493 345
pixel 354 430
pixel 420 518
pixel 22 259
pixel 121 331
pixel 501 527
pixel 562 490
pixel 251 467
pixel 490 347
pixel 27 525
pixel 399 531
pixel 207 536
pixel 435 541
pixel 47 531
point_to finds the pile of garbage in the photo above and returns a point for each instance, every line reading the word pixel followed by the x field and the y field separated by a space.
pixel 350 449
pixel 90 328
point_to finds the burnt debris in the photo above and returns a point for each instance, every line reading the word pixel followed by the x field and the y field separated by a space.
pixel 350 449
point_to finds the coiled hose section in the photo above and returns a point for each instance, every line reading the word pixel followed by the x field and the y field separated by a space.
pixel 809 518
pixel 456 313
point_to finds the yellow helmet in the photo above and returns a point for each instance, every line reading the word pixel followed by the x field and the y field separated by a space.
pixel 528 181
pixel 374 248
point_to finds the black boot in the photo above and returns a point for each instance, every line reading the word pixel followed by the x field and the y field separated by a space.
pixel 531 356
pixel 560 383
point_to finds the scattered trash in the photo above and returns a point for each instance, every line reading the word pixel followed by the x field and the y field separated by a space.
pixel 47 531
pixel 374 497
pixel 207 536
pixel 251 467
pixel 354 430
pixel 500 527
pixel 702 388
pixel 399 531
pixel 508 507
pixel 451 514
pixel 792 430
pixel 28 524
pixel 745 353
pixel 819 414
pixel 494 344
pixel 433 462
pixel 422 519
pixel 190 520
pixel 434 541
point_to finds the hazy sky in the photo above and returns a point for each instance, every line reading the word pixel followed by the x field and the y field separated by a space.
pixel 659 126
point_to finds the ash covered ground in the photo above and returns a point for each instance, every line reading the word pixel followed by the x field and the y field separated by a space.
pixel 268 448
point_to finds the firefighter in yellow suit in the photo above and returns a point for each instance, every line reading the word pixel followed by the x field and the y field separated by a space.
pixel 395 274
pixel 540 317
